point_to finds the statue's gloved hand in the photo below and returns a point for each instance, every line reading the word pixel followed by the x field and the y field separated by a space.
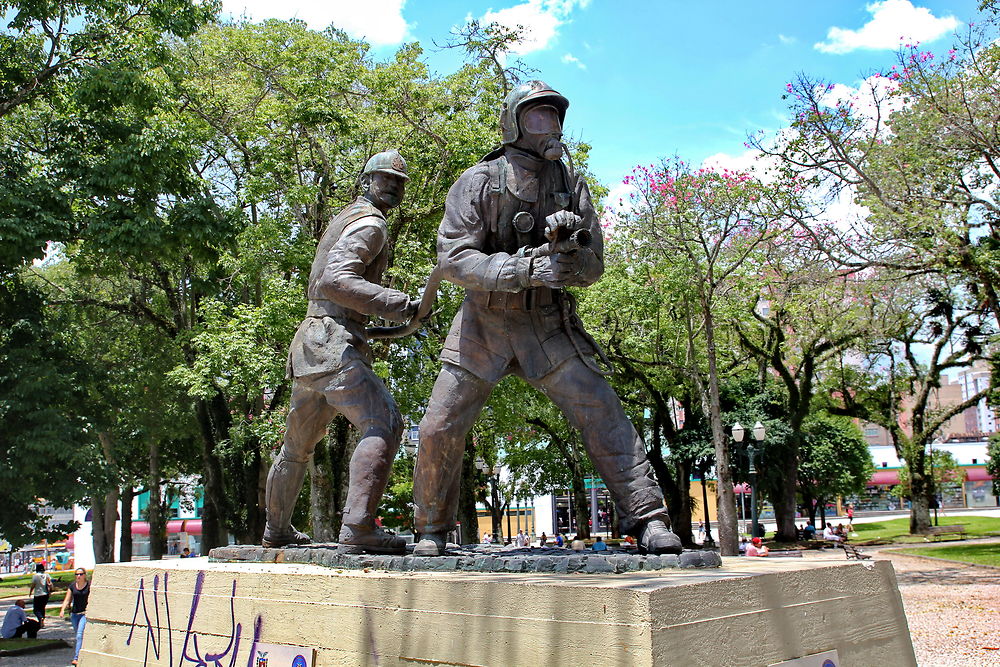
pixel 566 220
pixel 586 268
pixel 552 270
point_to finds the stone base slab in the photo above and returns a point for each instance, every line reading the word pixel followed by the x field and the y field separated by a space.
pixel 748 612
pixel 474 558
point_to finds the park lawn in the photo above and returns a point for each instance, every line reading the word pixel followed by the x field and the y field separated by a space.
pixel 24 580
pixel 974 554
pixel 898 530
pixel 24 642
pixel 17 587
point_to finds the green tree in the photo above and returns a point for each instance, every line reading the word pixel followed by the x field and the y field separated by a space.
pixel 943 471
pixel 807 316
pixel 51 52
pixel 47 42
pixel 707 226
pixel 834 461
pixel 915 146
pixel 44 443
pixel 896 388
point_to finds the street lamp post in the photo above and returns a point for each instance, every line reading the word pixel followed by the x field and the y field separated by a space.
pixel 934 486
pixel 493 474
pixel 758 434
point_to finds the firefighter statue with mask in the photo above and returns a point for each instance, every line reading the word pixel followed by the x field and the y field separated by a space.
pixel 518 228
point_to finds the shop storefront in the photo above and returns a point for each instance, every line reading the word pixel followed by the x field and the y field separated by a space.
pixel 976 490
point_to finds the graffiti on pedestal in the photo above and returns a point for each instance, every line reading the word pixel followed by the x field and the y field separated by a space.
pixel 159 628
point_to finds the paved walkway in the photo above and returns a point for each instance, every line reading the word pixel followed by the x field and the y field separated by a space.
pixel 953 609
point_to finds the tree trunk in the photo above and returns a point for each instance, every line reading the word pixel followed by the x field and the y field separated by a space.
pixel 329 474
pixel 157 522
pixel 675 484
pixel 107 508
pixel 468 516
pixel 581 504
pixel 807 501
pixel 784 509
pixel 98 536
pixel 920 513
pixel 125 549
pixel 680 510
pixel 726 497
pixel 251 531
pixel 104 520
pixel 213 513
pixel 251 483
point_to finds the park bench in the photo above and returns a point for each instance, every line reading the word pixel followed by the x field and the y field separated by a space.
pixel 789 553
pixel 852 552
pixel 941 531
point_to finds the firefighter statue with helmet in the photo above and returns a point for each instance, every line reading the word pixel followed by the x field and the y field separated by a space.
pixel 518 228
pixel 330 365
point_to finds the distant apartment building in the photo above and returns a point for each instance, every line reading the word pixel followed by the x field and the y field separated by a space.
pixel 973 423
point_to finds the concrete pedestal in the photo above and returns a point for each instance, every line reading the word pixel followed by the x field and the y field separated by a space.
pixel 748 612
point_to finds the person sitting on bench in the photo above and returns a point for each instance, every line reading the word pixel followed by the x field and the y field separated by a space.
pixel 757 548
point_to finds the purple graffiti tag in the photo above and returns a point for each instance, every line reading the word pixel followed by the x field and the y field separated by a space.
pixel 156 641
pixel 234 638
pixel 195 600
pixel 257 627
pixel 194 655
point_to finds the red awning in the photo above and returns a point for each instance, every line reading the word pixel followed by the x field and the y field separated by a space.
pixel 977 475
pixel 189 526
pixel 741 488
pixel 882 477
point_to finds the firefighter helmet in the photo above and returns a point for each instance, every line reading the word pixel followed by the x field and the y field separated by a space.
pixel 527 93
pixel 389 162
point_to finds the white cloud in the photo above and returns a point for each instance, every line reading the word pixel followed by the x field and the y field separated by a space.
pixel 871 101
pixel 570 59
pixel 744 162
pixel 540 19
pixel 785 39
pixel 891 21
pixel 619 201
pixel 379 22
pixel 620 196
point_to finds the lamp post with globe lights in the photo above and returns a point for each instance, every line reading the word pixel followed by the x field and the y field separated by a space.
pixel 493 474
pixel 758 434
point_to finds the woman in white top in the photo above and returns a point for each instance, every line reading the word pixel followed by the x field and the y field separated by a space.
pixel 831 536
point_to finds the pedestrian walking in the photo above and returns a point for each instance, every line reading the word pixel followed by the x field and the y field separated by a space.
pixel 76 597
pixel 41 589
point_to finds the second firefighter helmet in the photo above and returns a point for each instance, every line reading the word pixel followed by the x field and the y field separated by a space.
pixel 388 162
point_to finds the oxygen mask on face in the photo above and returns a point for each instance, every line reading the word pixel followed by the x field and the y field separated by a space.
pixel 543 131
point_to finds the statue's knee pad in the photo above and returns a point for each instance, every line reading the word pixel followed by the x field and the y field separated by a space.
pixel 294 453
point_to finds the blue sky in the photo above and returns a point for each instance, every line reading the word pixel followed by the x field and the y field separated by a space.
pixel 647 80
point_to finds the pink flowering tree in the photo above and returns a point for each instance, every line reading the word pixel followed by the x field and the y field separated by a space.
pixel 906 172
pixel 915 149
pixel 692 238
